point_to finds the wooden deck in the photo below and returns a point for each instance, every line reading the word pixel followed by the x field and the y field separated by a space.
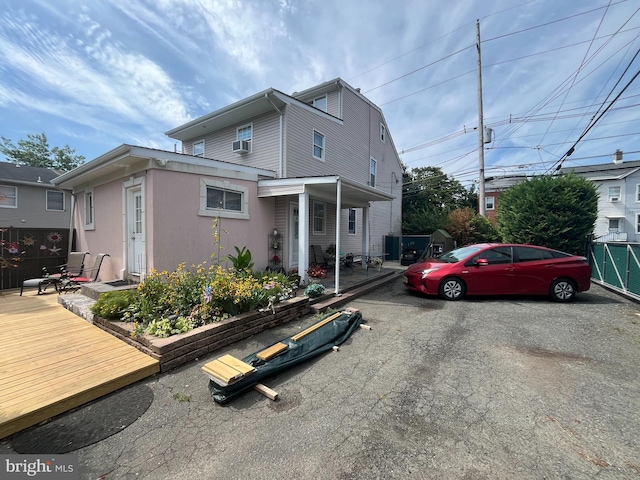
pixel 51 360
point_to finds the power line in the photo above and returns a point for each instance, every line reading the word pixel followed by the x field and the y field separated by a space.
pixel 595 121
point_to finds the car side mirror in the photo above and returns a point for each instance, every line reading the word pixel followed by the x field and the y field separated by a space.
pixel 482 262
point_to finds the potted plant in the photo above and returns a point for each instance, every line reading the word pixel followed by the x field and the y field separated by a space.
pixel 294 278
pixel 377 261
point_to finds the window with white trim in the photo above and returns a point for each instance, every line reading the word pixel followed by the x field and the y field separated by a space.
pixel 55 201
pixel 614 223
pixel 8 196
pixel 637 222
pixel 320 103
pixel 489 203
pixel 638 193
pixel 245 133
pixel 318 145
pixel 221 198
pixel 88 209
pixel 319 218
pixel 373 166
pixel 352 221
pixel 198 149
pixel 614 194
pixel 383 133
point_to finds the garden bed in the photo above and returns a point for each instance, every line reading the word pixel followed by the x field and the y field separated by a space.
pixel 179 349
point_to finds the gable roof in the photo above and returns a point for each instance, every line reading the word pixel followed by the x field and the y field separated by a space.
pixel 269 100
pixel 24 174
pixel 605 171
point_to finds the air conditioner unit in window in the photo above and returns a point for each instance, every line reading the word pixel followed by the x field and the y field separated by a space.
pixel 240 146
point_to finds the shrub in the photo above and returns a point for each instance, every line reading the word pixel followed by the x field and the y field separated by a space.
pixel 314 290
pixel 112 305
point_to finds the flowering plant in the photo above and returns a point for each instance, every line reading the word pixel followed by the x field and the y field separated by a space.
pixel 317 272
pixel 377 261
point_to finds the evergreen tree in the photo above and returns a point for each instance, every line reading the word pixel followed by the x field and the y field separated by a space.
pixel 556 212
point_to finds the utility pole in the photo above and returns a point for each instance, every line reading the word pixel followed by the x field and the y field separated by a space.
pixel 481 201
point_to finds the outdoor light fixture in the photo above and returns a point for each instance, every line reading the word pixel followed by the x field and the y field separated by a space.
pixel 275 232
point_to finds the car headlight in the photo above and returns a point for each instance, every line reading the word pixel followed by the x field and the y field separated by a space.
pixel 427 271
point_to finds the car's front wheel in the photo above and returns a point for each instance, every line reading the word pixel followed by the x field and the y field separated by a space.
pixel 452 289
pixel 562 290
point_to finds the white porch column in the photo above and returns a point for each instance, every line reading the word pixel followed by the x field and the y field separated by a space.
pixel 365 236
pixel 303 237
pixel 338 209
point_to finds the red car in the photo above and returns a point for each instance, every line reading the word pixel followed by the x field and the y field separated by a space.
pixel 500 269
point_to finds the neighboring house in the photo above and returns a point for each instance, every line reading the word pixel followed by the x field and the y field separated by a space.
pixel 318 166
pixel 618 186
pixel 35 219
pixel 29 200
pixel 493 188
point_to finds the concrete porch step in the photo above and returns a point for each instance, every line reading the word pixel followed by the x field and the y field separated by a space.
pixel 333 301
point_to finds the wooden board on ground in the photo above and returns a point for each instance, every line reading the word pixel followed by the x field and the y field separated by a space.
pixel 316 326
pixel 272 351
pixel 237 364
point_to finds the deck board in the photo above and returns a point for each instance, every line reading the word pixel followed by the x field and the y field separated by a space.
pixel 51 360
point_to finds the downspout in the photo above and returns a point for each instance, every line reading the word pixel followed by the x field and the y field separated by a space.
pixel 338 211
pixel 72 222
pixel 280 153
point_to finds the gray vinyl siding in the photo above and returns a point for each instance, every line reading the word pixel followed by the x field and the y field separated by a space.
pixel 32 209
pixel 349 145
pixel 334 104
pixel 265 148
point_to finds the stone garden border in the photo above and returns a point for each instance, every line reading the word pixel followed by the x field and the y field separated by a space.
pixel 179 349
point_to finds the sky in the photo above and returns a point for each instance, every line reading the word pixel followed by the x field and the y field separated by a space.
pixel 556 74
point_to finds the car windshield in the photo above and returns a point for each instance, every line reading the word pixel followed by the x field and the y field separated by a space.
pixel 459 254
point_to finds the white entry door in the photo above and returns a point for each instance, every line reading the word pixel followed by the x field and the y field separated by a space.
pixel 294 222
pixel 135 225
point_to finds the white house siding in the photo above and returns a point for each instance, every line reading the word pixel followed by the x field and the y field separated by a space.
pixel 607 209
pixel 626 209
pixel 632 206
pixel 265 148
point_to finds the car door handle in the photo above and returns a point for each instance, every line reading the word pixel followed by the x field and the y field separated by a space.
pixel 549 266
pixel 510 269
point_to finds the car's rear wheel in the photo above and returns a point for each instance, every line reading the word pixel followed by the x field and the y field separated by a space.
pixel 562 290
pixel 452 288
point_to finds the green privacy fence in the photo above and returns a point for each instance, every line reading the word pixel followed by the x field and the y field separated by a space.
pixel 616 265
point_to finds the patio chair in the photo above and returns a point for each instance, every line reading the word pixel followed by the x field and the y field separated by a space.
pixel 73 267
pixel 321 258
pixel 71 283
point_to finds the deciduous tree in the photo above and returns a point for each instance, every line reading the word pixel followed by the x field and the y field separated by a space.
pixel 35 152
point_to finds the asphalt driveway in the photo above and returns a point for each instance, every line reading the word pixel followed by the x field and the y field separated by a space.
pixel 481 388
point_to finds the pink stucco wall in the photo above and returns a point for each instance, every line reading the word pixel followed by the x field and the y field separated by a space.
pixel 176 233
pixel 107 235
